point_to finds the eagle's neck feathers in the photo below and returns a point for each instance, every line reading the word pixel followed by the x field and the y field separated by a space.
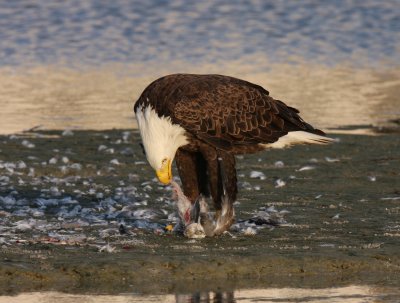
pixel 161 138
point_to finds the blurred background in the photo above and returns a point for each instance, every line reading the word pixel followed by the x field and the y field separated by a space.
pixel 82 63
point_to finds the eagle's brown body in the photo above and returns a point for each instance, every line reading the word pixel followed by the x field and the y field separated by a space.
pixel 222 116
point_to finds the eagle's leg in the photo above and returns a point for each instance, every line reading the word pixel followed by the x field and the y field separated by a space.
pixel 227 174
pixel 192 171
pixel 223 185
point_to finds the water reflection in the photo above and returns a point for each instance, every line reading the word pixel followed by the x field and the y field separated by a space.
pixel 207 297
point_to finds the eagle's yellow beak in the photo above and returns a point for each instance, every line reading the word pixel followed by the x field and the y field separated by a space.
pixel 164 174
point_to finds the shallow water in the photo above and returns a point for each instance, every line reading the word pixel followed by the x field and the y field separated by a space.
pixel 157 32
pixel 351 294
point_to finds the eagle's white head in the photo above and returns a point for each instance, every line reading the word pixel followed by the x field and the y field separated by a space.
pixel 161 139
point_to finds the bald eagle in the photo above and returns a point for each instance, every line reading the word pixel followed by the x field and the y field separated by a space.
pixel 203 121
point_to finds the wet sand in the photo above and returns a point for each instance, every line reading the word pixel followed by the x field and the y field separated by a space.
pixel 341 206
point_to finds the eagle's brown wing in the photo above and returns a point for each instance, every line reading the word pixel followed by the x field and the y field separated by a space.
pixel 227 112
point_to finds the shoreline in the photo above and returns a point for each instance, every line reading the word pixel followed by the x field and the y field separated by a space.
pixel 102 98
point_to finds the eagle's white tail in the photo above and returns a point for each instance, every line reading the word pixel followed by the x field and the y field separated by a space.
pixel 299 137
